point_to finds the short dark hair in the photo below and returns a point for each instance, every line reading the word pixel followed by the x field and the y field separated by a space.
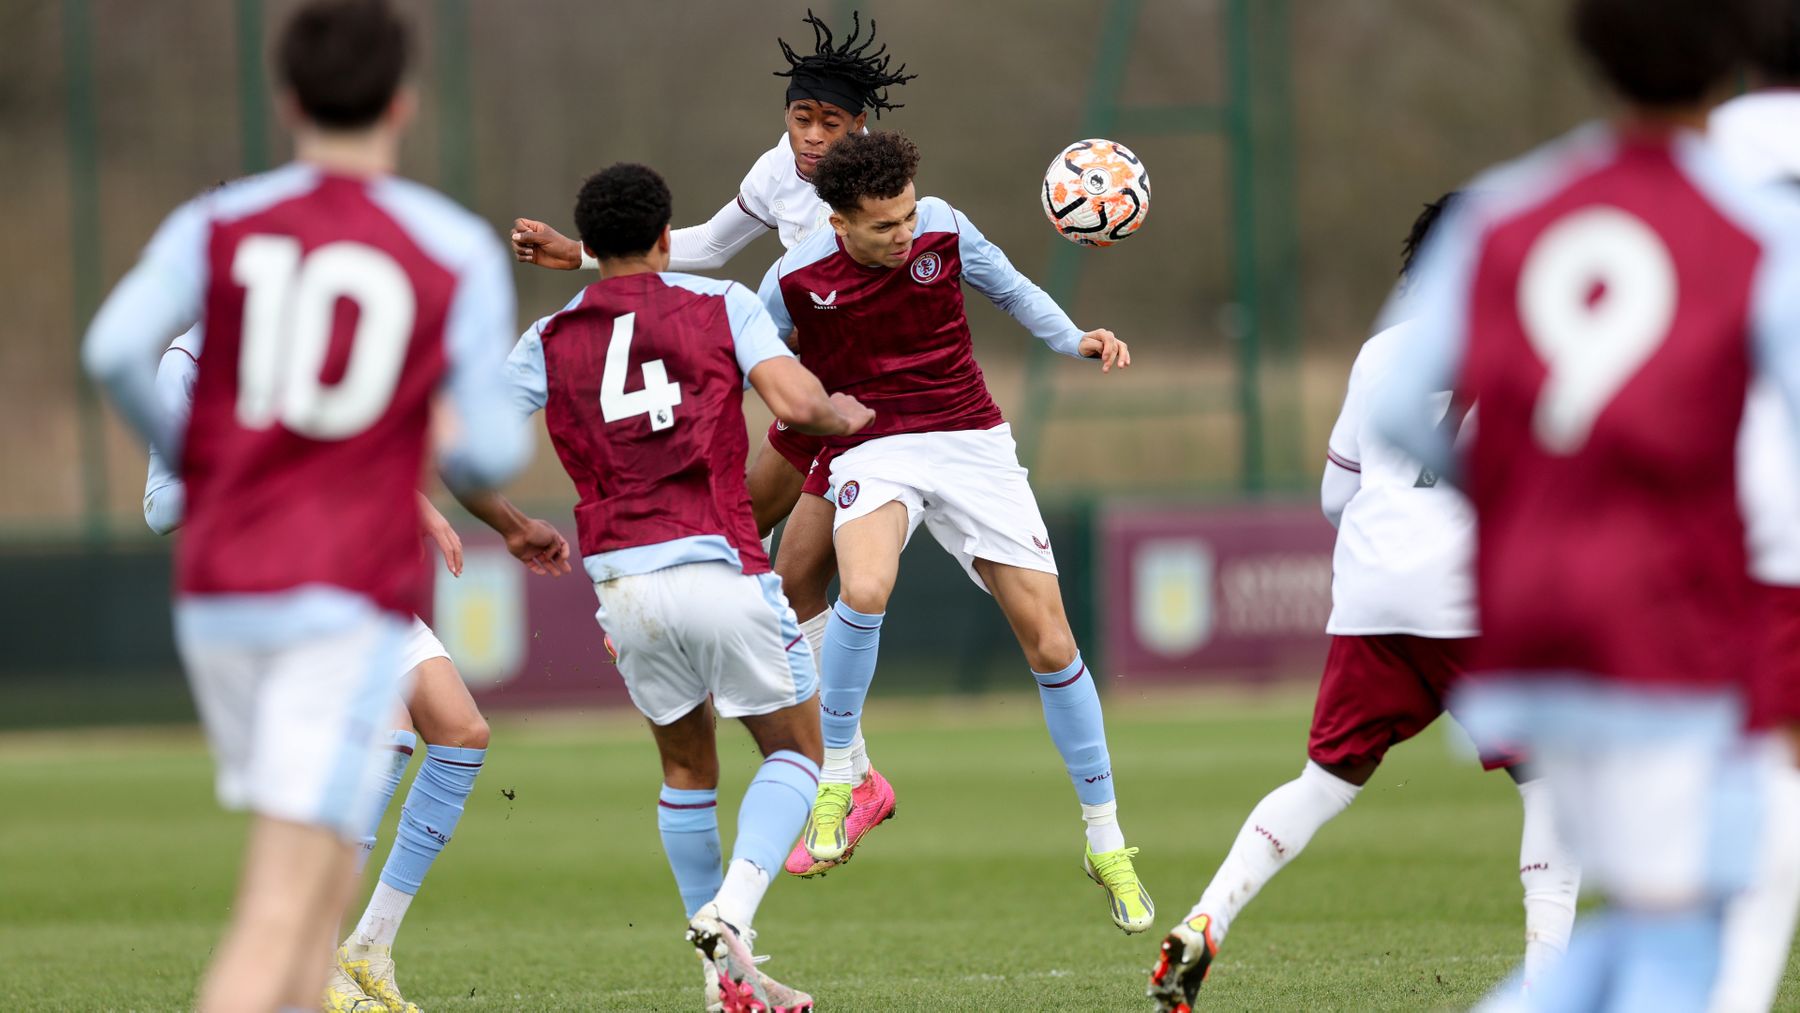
pixel 1775 44
pixel 344 60
pixel 877 164
pixel 622 209
pixel 1663 52
pixel 1421 228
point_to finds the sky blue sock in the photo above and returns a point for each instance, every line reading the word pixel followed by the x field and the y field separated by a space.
pixel 1581 979
pixel 397 754
pixel 1666 960
pixel 1072 713
pixel 775 807
pixel 847 666
pixel 689 821
pixel 433 806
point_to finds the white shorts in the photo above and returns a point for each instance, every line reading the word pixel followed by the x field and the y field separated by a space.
pixel 295 729
pixel 699 628
pixel 421 646
pixel 966 486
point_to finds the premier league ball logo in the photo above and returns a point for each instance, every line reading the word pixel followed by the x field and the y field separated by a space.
pixel 847 494
pixel 926 269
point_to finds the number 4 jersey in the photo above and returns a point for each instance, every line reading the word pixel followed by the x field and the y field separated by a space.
pixel 332 309
pixel 1603 303
pixel 641 379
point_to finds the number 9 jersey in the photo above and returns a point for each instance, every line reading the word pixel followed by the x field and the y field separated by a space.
pixel 1603 303
pixel 333 309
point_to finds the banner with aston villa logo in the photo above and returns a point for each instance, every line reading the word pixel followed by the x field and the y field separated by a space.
pixel 1213 593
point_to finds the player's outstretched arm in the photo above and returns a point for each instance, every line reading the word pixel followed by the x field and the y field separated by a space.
pixel 533 242
pixel 796 397
pixel 533 542
pixel 987 271
pixel 709 245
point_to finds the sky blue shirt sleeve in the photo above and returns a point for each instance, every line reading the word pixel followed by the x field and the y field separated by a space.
pixel 157 299
pixel 526 380
pixel 165 495
pixel 492 442
pixel 987 270
pixel 752 330
pixel 769 292
pixel 1404 406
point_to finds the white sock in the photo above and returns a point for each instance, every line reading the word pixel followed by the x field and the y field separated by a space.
pixel 1103 833
pixel 745 884
pixel 1759 923
pixel 1552 880
pixel 814 631
pixel 840 764
pixel 381 919
pixel 859 758
pixel 1278 828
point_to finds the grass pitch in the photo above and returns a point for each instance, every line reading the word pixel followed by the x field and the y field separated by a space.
pixel 116 869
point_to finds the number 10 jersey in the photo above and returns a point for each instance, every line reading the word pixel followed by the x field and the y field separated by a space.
pixel 332 309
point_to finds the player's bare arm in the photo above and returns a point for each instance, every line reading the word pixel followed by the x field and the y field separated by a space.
pixel 449 543
pixel 531 541
pixel 1104 345
pixel 797 398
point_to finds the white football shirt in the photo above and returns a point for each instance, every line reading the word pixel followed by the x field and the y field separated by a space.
pixel 1406 541
pixel 1759 136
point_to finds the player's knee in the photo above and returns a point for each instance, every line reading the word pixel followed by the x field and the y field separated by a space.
pixel 470 732
pixel 691 773
pixel 868 595
pixel 1050 650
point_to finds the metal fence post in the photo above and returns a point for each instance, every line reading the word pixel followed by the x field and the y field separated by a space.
pixel 84 248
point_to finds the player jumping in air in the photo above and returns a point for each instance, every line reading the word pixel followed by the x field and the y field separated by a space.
pixel 1402 626
pixel 828 92
pixel 1605 303
pixel 438 708
pixel 877 305
pixel 640 378
pixel 299 566
pixel 1759 135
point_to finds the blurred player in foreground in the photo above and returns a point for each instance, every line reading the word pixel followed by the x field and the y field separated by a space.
pixel 1759 135
pixel 828 92
pixel 640 378
pixel 1402 627
pixel 293 577
pixel 438 708
pixel 1605 302
pixel 878 309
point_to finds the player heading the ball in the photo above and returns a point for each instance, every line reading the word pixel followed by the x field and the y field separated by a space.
pixel 877 306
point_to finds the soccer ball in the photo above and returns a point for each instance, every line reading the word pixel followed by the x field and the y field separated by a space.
pixel 1096 192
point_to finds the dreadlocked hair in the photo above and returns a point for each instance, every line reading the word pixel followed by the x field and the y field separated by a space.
pixel 1421 228
pixel 853 63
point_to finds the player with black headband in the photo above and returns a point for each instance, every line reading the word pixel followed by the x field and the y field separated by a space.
pixel 830 93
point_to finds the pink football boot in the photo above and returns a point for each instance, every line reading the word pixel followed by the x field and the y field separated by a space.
pixel 871 804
